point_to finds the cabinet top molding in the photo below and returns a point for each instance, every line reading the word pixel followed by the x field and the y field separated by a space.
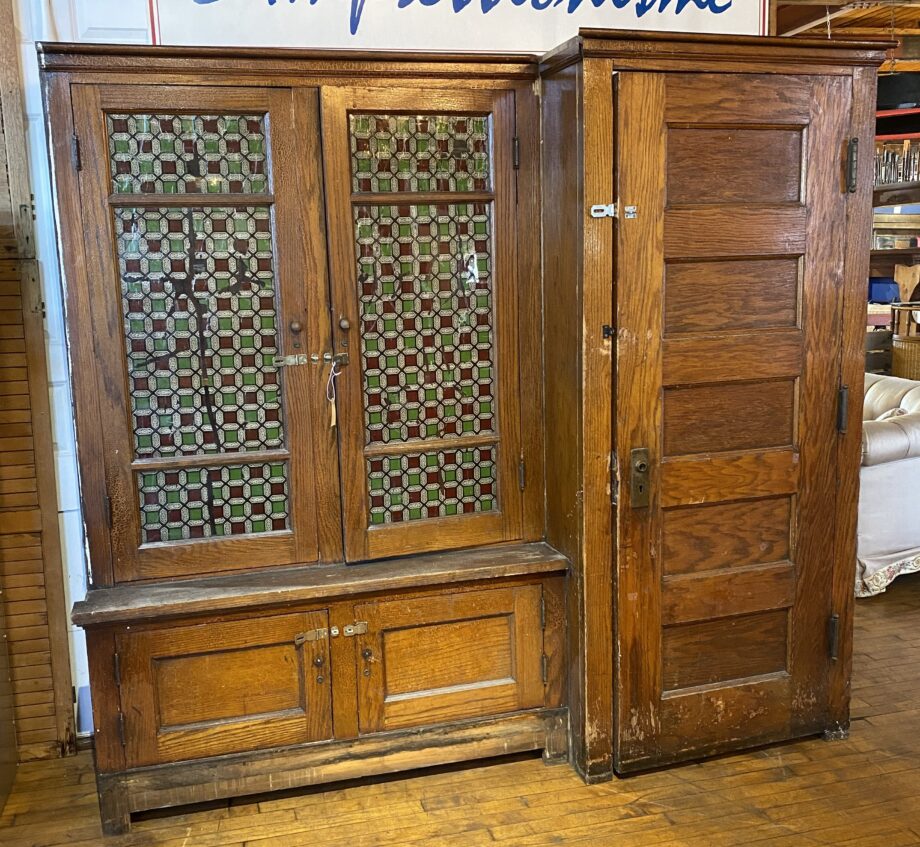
pixel 735 52
pixel 270 61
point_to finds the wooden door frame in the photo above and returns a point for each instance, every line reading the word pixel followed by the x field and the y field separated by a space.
pixel 15 151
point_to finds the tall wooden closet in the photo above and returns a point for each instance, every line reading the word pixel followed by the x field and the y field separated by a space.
pixel 306 312
pixel 706 215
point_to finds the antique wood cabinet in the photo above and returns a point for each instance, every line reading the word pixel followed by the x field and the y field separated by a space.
pixel 376 478
pixel 301 293
pixel 706 222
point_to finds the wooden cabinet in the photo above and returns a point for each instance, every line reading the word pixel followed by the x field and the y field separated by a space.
pixel 431 659
pixel 712 293
pixel 375 479
pixel 219 687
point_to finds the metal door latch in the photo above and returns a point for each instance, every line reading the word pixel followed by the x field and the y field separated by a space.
pixel 290 361
pixel 310 635
pixel 357 628
pixel 604 210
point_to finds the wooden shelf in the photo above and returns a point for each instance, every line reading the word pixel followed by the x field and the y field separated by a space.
pixel 272 587
pixel 896 193
pixel 895 252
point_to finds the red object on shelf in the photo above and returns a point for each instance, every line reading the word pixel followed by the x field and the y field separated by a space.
pixel 890 113
pixel 904 136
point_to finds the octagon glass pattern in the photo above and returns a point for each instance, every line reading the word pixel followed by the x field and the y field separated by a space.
pixel 420 153
pixel 187 154
pixel 424 274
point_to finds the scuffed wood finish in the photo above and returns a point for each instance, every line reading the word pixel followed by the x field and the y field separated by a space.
pixel 859 792
pixel 852 364
pixel 206 689
pixel 416 667
pixel 748 414
pixel 286 586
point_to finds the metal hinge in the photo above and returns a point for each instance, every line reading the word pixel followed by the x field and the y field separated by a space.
pixel 545 664
pixel 516 153
pixel 833 637
pixel 310 635
pixel 852 164
pixel 75 153
pixel 357 628
pixel 117 670
pixel 121 728
pixel 843 402
pixel 522 473
pixel 614 478
pixel 542 612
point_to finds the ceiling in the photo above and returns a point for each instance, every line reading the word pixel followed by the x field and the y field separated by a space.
pixel 898 21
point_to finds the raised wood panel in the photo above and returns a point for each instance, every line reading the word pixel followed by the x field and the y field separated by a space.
pixel 720 650
pixel 224 687
pixel 733 165
pixel 414 666
pixel 733 294
pixel 720 358
pixel 702 538
pixel 748 98
pixel 753 230
pixel 732 416
pixel 725 593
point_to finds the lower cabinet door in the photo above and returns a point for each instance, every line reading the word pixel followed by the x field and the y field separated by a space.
pixel 224 687
pixel 429 660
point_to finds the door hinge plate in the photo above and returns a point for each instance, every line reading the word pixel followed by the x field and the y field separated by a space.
pixel 117 670
pixel 544 666
pixel 352 629
pixel 843 402
pixel 121 729
pixel 852 165
pixel 542 612
pixel 516 153
pixel 833 637
pixel 75 156
pixel 522 474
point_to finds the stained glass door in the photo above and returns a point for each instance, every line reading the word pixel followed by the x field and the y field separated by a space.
pixel 421 195
pixel 208 281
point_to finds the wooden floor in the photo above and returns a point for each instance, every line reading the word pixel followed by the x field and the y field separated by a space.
pixel 864 791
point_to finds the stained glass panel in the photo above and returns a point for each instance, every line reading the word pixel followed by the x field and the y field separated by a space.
pixel 186 154
pixel 200 317
pixel 415 486
pixel 425 280
pixel 188 503
pixel 420 152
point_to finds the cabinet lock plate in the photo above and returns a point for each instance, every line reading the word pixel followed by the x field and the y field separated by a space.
pixel 352 629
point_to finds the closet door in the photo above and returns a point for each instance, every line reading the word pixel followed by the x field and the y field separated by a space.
pixel 421 197
pixel 205 256
pixel 728 275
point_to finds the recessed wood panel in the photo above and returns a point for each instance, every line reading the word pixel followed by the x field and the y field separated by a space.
pixel 720 650
pixel 701 538
pixel 728 592
pixel 731 357
pixel 733 416
pixel 449 661
pixel 228 684
pixel 730 295
pixel 709 479
pixel 722 232
pixel 733 165
pixel 748 98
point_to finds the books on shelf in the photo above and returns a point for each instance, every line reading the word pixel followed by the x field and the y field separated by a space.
pixel 897 161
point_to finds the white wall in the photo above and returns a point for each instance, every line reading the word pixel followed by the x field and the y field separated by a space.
pixel 66 20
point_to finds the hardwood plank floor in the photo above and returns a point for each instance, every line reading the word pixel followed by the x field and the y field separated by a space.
pixel 860 793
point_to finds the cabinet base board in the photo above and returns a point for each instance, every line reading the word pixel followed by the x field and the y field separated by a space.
pixel 204 780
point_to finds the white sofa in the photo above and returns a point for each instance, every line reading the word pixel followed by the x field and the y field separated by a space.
pixel 889 496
